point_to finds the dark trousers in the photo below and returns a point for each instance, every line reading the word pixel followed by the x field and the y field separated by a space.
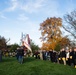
pixel 0 58
pixel 20 59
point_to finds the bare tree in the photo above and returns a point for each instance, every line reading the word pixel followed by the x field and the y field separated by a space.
pixel 70 25
pixel 2 43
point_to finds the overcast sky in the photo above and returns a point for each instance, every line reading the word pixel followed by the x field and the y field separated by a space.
pixel 17 16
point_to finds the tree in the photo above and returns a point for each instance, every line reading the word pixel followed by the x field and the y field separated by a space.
pixel 3 45
pixel 64 42
pixel 71 21
pixel 51 33
pixel 72 43
pixel 34 46
pixel 57 47
pixel 14 47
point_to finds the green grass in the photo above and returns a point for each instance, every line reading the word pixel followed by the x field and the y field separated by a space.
pixel 32 66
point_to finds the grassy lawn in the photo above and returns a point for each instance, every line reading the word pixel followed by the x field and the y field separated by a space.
pixel 32 66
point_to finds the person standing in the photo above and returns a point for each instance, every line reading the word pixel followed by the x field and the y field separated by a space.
pixel 0 55
pixel 67 57
pixel 71 57
pixel 51 53
pixel 17 54
pixel 54 56
pixel 41 55
pixel 75 57
pixel 20 55
pixel 63 55
pixel 44 55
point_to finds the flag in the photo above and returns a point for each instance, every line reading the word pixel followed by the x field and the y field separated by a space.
pixel 26 42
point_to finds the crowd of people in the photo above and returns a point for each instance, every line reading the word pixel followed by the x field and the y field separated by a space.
pixel 66 57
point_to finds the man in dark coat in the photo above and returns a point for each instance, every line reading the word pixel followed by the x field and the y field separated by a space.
pixel 20 55
pixel 71 58
pixel 63 56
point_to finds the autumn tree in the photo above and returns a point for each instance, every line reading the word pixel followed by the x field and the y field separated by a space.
pixel 70 25
pixel 50 31
pixel 64 42
pixel 2 43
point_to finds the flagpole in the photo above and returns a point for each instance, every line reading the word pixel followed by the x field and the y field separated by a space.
pixel 21 38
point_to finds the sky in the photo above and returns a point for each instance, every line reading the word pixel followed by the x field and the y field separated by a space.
pixel 17 16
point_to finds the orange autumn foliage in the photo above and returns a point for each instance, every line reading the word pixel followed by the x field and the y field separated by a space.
pixel 64 42
pixel 50 31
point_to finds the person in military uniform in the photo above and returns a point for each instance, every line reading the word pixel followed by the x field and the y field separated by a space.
pixel 63 56
pixel 71 58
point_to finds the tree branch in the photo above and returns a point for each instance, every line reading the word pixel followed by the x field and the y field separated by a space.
pixel 69 31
